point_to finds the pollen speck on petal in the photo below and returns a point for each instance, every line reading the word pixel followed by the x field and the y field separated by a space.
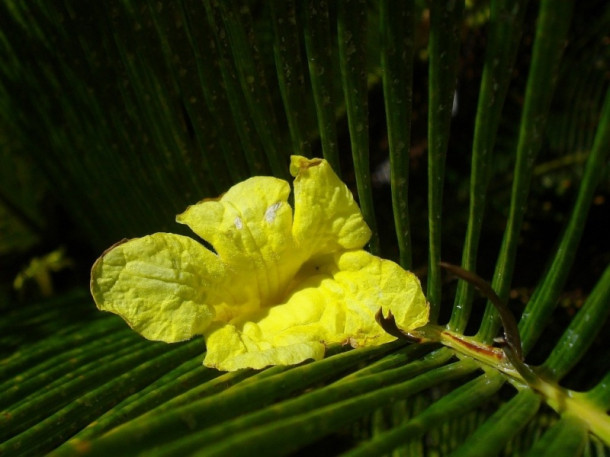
pixel 272 211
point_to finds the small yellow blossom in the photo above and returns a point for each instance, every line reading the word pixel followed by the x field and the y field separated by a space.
pixel 279 287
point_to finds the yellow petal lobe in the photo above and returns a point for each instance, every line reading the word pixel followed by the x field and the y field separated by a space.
pixel 369 283
pixel 250 228
pixel 162 285
pixel 326 217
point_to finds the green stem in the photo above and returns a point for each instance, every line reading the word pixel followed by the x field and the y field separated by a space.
pixel 325 396
pixel 219 113
pixel 397 34
pixel 46 434
pixel 288 435
pixel 242 120
pixel 351 31
pixel 290 72
pixel 185 377
pixel 566 437
pixel 582 331
pixel 237 21
pixel 600 394
pixel 316 32
pixel 506 25
pixel 443 48
pixel 538 310
pixel 156 428
pixel 452 405
pixel 553 24
pixel 491 437
pixel 591 407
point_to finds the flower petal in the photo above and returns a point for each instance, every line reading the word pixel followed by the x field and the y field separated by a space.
pixel 335 303
pixel 227 351
pixel 284 334
pixel 326 217
pixel 250 228
pixel 365 283
pixel 163 285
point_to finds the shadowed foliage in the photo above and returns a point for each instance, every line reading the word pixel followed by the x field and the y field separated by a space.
pixel 476 133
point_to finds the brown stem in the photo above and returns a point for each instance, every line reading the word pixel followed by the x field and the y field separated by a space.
pixel 511 331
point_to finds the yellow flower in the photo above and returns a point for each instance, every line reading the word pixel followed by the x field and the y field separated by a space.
pixel 279 287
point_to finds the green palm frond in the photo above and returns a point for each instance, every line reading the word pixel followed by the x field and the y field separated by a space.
pixel 122 112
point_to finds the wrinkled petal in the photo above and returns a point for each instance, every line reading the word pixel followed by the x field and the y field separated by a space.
pixel 250 228
pixel 326 217
pixel 365 283
pixel 162 285
pixel 336 303
pixel 228 352
pixel 284 334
